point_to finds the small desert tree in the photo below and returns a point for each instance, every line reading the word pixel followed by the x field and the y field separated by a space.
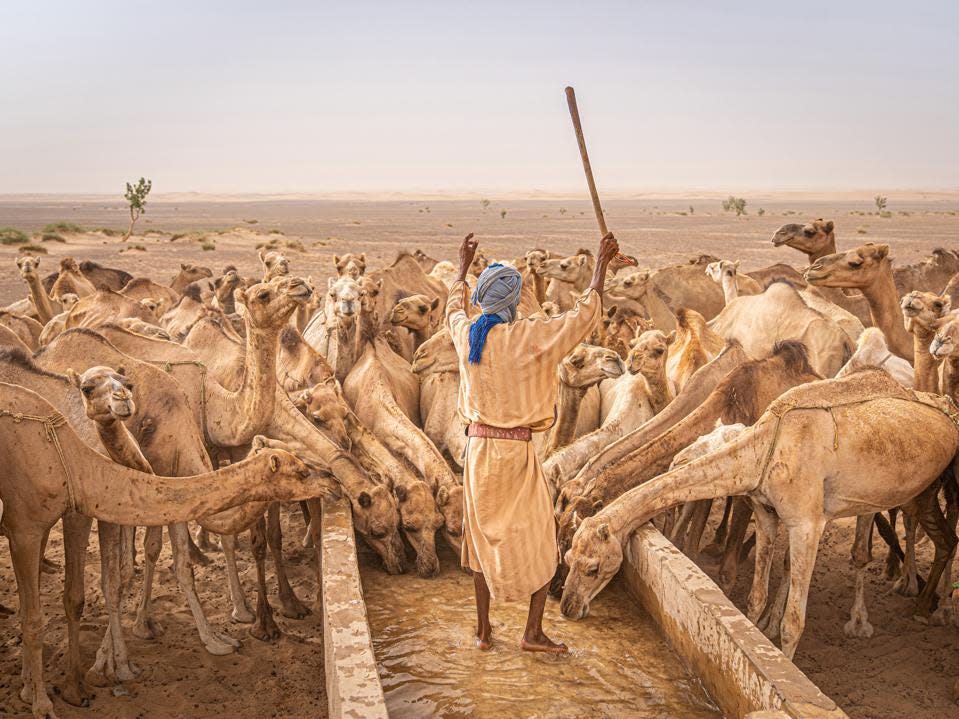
pixel 136 197
pixel 735 204
pixel 880 201
pixel 502 214
pixel 485 203
pixel 692 210
pixel 761 212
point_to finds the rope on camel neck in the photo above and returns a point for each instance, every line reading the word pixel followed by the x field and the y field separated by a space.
pixel 50 424
pixel 168 365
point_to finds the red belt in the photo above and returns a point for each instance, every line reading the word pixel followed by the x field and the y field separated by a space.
pixel 521 434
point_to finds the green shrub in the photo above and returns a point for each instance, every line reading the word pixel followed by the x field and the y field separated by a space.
pixel 861 230
pixel 12 236
pixel 67 227
pixel 36 249
pixel 108 232
pixel 207 246
pixel 51 237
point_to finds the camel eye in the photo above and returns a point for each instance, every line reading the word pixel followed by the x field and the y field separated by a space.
pixel 87 390
pixel 408 528
pixel 937 305
pixel 592 571
pixel 855 263
pixel 377 533
pixel 263 296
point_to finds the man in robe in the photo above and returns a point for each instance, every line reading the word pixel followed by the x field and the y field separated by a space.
pixel 508 391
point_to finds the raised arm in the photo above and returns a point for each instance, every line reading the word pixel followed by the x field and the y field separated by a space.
pixel 456 302
pixel 608 249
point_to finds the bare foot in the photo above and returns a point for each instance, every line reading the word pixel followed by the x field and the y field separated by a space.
pixel 484 639
pixel 542 643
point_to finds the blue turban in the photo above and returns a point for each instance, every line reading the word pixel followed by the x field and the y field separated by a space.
pixel 497 294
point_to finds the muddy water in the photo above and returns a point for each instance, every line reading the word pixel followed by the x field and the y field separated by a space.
pixel 618 665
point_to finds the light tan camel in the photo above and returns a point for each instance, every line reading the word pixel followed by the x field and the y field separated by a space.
pixel 384 393
pixel 695 344
pixel 224 287
pixel 146 329
pixel 142 288
pixel 782 312
pixel 10 339
pixel 930 274
pixel 45 307
pixel 872 351
pixel 418 314
pixel 532 276
pixel 945 348
pixel 632 398
pixel 446 272
pixel 620 328
pixel 58 322
pixel 742 393
pixel 437 366
pixel 275 264
pixel 71 279
pixel 568 277
pixel 26 328
pixel 105 305
pixel 922 314
pixel 189 273
pixel 194 305
pixel 585 367
pixel 633 292
pixel 50 472
pixel 825 450
pixel 98 275
pixel 332 332
pixel 351 265
pixel 868 269
pixel 726 274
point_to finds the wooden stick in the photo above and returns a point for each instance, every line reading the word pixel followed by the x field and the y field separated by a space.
pixel 588 169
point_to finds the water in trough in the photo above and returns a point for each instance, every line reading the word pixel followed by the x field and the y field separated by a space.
pixel 618 666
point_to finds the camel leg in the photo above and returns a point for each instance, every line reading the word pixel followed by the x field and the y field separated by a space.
pixel 893 563
pixel 307 541
pixel 770 620
pixel 241 612
pixel 943 537
pixel 215 643
pixel 205 542
pixel 76 535
pixel 858 624
pixel 947 613
pixel 113 662
pixel 803 548
pixel 677 534
pixel 26 552
pixel 264 628
pixel 145 626
pixel 315 514
pixel 290 606
pixel 908 583
pixel 742 510
pixel 713 549
pixel 197 557
pixel 767 527
pixel 696 526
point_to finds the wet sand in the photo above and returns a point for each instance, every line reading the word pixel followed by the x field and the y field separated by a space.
pixel 618 665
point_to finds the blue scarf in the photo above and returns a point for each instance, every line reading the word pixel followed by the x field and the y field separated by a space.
pixel 497 293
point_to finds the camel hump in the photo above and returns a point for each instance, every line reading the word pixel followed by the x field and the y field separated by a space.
pixel 857 387
pixel 690 319
pixel 794 355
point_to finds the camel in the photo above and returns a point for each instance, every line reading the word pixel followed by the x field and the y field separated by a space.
pixel 275 264
pixel 674 287
pixel 189 273
pixel 945 348
pixel 872 351
pixel 815 240
pixel 58 322
pixel 418 314
pixel 424 260
pixel 141 288
pixel 568 277
pixel 105 305
pixel 384 393
pixel 822 451
pixel 352 265
pixel 146 329
pixel 26 328
pixel 620 328
pixel 10 339
pixel 726 274
pixel 44 306
pixel 71 279
pixel 922 314
pixel 224 286
pixel 632 398
pixel 332 332
pixel 952 289
pixel 869 269
pixel 46 479
pixel 194 304
pixel 437 366
pixel 446 272
pixel 586 366
pixel 634 292
pixel 782 312
pixel 931 274
pixel 695 344
pixel 98 275
pixel 740 396
pixel 530 270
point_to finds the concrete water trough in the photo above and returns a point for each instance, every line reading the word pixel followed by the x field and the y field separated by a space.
pixel 741 671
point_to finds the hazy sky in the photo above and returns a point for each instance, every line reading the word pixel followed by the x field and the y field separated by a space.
pixel 310 96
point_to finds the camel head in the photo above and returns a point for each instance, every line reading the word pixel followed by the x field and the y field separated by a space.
pixel 857 268
pixel 593 559
pixel 324 407
pixel 566 269
pixel 284 458
pixel 946 341
pixel 350 265
pixel 588 365
pixel 68 300
pixel 191 273
pixel 28 265
pixel 274 265
pixel 723 268
pixel 450 502
pixel 225 284
pixel 376 518
pixel 648 352
pixel 437 354
pixel 816 238
pixel 621 327
pixel 424 260
pixel 146 329
pixel 151 305
pixel 480 263
pixel 369 291
pixel 550 309
pixel 628 286
pixel 344 294
pixel 414 312
pixel 420 519
pixel 924 309
pixel 107 393
pixel 269 305
pixel 68 264
pixel 535 259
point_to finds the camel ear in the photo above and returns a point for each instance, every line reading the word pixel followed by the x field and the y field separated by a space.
pixel 259 442
pixel 577 359
pixel 73 377
pixel 400 492
pixel 19 262
pixel 261 256
pixel 365 500
pixel 121 370
pixel 583 259
pixel 670 338
pixel 736 264
pixel 435 303
pixel 442 497
pixel 363 257
pixel 184 266
pixel 302 399
pixel 274 462
pixel 611 311
pixel 829 226
pixel 603 531
pixel 880 252
pixel 597 505
pixel 239 294
pixel 946 304
pixel 336 260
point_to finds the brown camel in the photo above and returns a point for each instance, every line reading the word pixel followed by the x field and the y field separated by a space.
pixel 930 274
pixel 46 479
pixel 437 366
pixel 71 279
pixel 824 450
pixel 10 339
pixel 26 328
pixel 695 344
pixel 105 305
pixel 275 264
pixel 922 314
pixel 98 275
pixel 568 277
pixel 620 327
pixel 869 269
pixel 141 288
pixel 189 273
pixel 45 307
pixel 352 265
pixel 194 305
pixel 417 313
pixel 224 286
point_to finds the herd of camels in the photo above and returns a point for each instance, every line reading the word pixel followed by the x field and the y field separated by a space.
pixel 795 397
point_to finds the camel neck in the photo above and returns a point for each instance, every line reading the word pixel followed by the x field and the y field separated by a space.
pixel 121 446
pixel 258 388
pixel 568 402
pixel 827 249
pixel 886 314
pixel 658 389
pixel 346 348
pixel 926 373
pixel 40 298
pixel 950 378
pixel 730 290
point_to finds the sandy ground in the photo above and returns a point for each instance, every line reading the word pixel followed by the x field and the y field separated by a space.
pixel 905 669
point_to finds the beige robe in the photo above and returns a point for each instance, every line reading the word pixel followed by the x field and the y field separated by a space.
pixel 509 532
